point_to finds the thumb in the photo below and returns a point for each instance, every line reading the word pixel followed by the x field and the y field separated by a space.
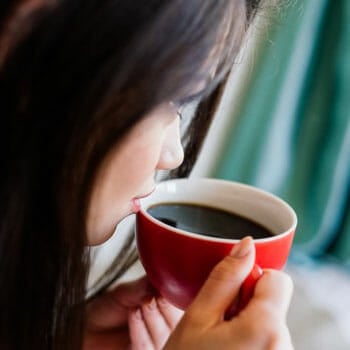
pixel 223 284
pixel 110 310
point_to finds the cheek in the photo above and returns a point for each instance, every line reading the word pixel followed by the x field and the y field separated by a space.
pixel 127 173
pixel 139 164
pixel 142 159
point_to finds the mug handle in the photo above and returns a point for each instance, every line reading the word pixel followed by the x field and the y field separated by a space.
pixel 246 292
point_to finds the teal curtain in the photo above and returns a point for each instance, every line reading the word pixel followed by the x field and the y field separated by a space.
pixel 291 130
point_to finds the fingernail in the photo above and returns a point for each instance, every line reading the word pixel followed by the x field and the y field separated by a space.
pixel 152 304
pixel 162 301
pixel 137 314
pixel 242 248
pixel 147 298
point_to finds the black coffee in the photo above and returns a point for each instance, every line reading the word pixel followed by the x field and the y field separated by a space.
pixel 207 221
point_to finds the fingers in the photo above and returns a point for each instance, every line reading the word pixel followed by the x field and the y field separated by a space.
pixel 133 293
pixel 151 325
pixel 139 335
pixel 263 320
pixel 172 314
pixel 109 310
pixel 156 324
pixel 223 284
pixel 274 291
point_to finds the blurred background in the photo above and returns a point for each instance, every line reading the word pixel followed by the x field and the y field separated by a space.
pixel 284 126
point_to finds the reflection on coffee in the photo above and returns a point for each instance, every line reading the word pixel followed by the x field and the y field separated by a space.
pixel 207 221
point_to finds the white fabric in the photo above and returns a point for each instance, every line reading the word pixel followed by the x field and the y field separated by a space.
pixel 319 316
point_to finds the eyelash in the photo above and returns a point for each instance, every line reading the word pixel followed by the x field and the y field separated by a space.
pixel 181 104
pixel 178 107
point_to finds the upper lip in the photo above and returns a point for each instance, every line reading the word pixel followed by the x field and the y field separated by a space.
pixel 146 194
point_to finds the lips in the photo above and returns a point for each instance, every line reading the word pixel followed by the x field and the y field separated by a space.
pixel 136 205
pixel 146 195
pixel 136 201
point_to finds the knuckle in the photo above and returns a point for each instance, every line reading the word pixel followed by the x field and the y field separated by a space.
pixel 288 282
pixel 270 317
pixel 150 307
pixel 267 325
pixel 164 304
pixel 268 334
pixel 283 279
pixel 281 340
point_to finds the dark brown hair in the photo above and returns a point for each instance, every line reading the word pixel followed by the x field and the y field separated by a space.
pixel 74 77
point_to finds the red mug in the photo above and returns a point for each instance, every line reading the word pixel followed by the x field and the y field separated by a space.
pixel 177 262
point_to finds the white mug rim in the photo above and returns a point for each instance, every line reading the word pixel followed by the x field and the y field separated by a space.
pixel 277 236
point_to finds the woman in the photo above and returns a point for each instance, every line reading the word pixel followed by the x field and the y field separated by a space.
pixel 89 98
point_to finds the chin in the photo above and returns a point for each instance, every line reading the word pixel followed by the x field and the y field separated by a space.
pixel 100 238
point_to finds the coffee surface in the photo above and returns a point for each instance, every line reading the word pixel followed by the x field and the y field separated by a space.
pixel 207 221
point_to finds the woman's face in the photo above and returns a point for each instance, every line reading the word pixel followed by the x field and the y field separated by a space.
pixel 127 174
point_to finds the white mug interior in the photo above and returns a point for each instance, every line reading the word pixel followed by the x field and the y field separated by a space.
pixel 247 201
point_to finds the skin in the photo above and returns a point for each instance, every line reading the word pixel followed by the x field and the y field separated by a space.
pixel 128 171
pixel 132 316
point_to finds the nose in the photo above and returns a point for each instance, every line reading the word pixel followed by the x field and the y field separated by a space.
pixel 172 153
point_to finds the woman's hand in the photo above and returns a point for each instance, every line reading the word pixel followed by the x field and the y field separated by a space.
pixel 260 326
pixel 151 325
pixel 129 317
